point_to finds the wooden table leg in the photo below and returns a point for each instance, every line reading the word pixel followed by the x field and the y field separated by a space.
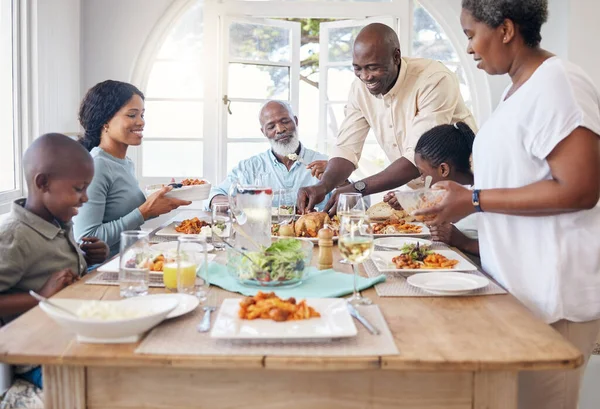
pixel 64 387
pixel 495 390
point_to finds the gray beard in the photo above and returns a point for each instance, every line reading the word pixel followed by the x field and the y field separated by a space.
pixel 284 149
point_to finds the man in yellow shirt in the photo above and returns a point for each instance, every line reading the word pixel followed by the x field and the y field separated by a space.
pixel 399 98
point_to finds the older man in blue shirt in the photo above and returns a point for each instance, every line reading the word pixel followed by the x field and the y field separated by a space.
pixel 274 167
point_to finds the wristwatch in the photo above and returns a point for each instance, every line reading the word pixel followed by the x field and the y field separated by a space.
pixel 475 200
pixel 360 186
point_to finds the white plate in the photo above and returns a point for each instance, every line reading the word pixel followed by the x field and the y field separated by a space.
pixel 424 232
pixel 193 193
pixel 169 231
pixel 172 245
pixel 311 239
pixel 335 322
pixel 187 303
pixel 448 283
pixel 396 243
pixel 113 265
pixel 383 262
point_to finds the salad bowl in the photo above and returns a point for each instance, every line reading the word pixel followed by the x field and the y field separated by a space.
pixel 282 264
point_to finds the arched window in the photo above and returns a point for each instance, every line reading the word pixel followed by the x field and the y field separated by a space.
pixel 186 137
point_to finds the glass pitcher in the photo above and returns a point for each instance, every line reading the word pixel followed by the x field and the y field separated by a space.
pixel 251 207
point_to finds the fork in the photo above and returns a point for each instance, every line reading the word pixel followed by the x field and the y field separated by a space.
pixel 210 306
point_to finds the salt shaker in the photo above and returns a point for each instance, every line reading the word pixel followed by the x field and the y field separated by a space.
pixel 325 248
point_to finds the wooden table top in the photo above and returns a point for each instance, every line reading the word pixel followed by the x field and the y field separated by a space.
pixel 479 333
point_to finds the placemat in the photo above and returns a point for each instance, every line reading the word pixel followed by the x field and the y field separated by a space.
pixel 179 337
pixel 396 285
pixel 112 278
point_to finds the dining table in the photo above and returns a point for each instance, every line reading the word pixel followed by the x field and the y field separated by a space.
pixel 463 352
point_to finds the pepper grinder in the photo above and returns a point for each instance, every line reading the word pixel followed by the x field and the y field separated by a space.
pixel 325 248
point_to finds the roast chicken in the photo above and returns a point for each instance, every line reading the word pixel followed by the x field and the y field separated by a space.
pixel 308 225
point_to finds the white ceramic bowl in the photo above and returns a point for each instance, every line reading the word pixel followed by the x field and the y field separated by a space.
pixel 193 193
pixel 125 330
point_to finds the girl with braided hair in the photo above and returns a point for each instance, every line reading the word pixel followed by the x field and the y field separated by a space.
pixel 444 153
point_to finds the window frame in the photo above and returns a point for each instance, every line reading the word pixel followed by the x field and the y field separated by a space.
pixel 18 27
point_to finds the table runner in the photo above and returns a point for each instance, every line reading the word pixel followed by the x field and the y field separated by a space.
pixel 179 337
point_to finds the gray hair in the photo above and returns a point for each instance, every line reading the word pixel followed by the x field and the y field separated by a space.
pixel 284 104
pixel 528 15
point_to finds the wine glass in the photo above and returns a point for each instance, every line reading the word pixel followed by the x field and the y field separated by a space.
pixel 285 201
pixel 356 245
pixel 350 204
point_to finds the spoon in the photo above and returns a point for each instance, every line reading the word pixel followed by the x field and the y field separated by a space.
pixel 41 298
pixel 240 252
pixel 428 180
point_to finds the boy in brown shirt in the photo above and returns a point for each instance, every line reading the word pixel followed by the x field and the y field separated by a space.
pixel 37 248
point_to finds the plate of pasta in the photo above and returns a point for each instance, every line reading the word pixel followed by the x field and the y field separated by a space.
pixel 398 228
pixel 194 225
pixel 268 318
pixel 423 260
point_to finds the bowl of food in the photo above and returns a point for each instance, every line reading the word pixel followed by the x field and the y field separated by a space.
pixel 187 189
pixel 284 263
pixel 418 199
pixel 121 321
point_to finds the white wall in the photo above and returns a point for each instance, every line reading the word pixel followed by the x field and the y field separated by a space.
pixel 583 38
pixel 113 34
pixel 56 65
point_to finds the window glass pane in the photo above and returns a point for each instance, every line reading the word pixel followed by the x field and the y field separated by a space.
pixel 7 138
pixel 259 42
pixel 243 121
pixel 185 39
pixel 258 81
pixel 339 81
pixel 173 119
pixel 335 116
pixel 341 41
pixel 237 151
pixel 172 159
pixel 429 40
pixel 169 79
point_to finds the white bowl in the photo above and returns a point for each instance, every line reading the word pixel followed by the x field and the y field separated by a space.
pixel 124 330
pixel 192 193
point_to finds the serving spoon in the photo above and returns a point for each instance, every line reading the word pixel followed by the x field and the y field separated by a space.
pixel 41 298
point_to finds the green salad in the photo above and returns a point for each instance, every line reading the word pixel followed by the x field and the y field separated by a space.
pixel 416 251
pixel 282 261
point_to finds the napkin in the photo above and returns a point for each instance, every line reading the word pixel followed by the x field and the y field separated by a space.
pixel 316 283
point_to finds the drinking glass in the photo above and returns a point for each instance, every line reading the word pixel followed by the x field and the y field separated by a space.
pixel 190 267
pixel 134 269
pixel 285 200
pixel 351 204
pixel 356 245
pixel 221 225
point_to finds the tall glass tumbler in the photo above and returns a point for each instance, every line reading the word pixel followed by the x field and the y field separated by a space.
pixel 134 271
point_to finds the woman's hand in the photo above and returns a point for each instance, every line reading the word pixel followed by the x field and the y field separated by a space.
pixel 96 251
pixel 157 203
pixel 317 168
pixel 390 198
pixel 441 232
pixel 455 205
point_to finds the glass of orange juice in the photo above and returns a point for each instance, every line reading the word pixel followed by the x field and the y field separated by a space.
pixel 187 272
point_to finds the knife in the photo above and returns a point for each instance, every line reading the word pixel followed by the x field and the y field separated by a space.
pixel 354 312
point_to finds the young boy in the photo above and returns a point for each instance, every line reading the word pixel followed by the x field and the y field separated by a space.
pixel 37 248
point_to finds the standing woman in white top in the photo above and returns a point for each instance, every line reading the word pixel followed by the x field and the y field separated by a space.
pixel 536 163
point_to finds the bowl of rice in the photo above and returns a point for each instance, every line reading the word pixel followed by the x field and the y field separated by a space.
pixel 121 321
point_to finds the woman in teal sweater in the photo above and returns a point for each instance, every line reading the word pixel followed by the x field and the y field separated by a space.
pixel 112 115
